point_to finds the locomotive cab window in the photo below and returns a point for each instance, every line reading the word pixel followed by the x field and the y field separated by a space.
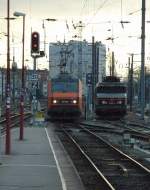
pixel 111 89
pixel 64 87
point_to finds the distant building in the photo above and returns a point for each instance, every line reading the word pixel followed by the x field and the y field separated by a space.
pixel 15 83
pixel 77 56
pixel 38 81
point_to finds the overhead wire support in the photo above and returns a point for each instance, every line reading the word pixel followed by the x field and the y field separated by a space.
pixel 122 22
pixel 131 82
pixel 21 136
pixel 142 77
pixel 79 26
pixel 100 7
pixel 83 6
pixel 95 13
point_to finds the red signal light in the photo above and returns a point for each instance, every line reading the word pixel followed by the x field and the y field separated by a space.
pixel 35 42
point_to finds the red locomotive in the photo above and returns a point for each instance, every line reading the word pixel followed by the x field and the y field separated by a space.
pixel 64 97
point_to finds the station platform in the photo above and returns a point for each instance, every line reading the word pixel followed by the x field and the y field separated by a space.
pixel 38 162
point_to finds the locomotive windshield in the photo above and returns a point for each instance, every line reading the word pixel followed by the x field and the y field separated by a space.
pixel 111 89
pixel 64 87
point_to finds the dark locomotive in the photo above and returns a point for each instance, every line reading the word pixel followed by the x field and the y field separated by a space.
pixel 111 98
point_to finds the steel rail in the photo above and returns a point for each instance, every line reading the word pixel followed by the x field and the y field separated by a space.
pixel 107 184
pixel 134 132
pixel 138 167
pixel 3 129
pixel 119 151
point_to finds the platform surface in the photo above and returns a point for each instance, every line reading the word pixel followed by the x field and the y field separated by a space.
pixel 38 162
pixel 30 164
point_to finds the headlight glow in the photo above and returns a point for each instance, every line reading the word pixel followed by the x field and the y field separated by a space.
pixel 119 102
pixel 74 101
pixel 54 101
pixel 104 102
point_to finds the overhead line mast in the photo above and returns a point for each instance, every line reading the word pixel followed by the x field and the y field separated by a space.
pixel 79 26
pixel 143 60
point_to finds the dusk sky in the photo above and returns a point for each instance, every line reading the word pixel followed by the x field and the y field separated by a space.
pixel 98 17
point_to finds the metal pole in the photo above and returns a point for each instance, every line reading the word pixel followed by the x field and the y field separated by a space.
pixel 143 61
pixel 87 103
pixel 44 37
pixel 129 80
pixel 97 63
pixel 34 65
pixel 13 77
pixel 93 71
pixel 0 138
pixel 13 90
pixel 34 74
pixel 131 83
pixel 7 147
pixel 2 84
pixel 22 90
pixel 113 64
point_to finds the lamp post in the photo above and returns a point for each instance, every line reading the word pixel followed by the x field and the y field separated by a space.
pixel 7 148
pixel 44 29
pixel 2 84
pixel 22 79
pixel 14 69
pixel 7 108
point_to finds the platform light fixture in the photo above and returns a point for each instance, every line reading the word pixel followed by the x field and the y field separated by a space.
pixel 18 14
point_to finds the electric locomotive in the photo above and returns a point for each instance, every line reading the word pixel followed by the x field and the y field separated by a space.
pixel 111 98
pixel 64 98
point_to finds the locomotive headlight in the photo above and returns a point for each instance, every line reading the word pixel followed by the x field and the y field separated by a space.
pixel 104 102
pixel 74 101
pixel 119 102
pixel 54 101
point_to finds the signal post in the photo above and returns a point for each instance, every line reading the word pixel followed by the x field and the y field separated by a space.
pixel 88 95
pixel 35 53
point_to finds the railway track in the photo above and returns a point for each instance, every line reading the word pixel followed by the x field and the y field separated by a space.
pixel 136 130
pixel 100 164
pixel 121 128
pixel 14 121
